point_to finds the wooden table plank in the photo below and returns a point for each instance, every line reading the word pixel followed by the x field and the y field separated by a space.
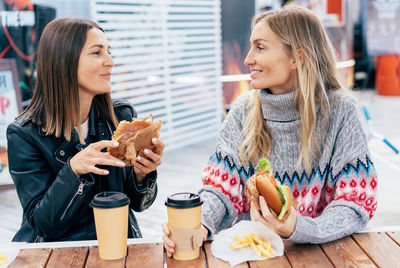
pixel 382 250
pixel 395 236
pixel 212 261
pixel 151 255
pixel 68 257
pixel 346 253
pixel 196 263
pixel 306 255
pixel 94 260
pixel 32 257
pixel 277 262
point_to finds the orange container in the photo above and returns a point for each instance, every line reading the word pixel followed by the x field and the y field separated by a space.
pixel 388 75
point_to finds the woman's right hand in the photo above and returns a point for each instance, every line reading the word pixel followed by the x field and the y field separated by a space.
pixel 86 160
pixel 169 244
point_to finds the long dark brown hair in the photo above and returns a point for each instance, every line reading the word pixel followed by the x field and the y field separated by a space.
pixel 55 102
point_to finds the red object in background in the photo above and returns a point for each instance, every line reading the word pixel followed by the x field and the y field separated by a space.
pixel 236 29
pixel 388 75
pixel 4 102
pixel 335 7
pixel 20 4
pixel 231 65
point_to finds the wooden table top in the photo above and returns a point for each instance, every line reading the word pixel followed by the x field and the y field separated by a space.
pixel 358 250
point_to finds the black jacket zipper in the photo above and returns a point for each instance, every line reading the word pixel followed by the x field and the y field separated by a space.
pixel 79 192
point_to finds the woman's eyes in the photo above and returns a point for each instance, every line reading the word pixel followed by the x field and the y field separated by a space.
pixel 99 52
pixel 259 48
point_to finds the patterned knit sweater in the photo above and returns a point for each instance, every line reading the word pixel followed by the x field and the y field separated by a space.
pixel 335 199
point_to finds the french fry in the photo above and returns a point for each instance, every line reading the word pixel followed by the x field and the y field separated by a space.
pixel 264 251
pixel 253 245
pixel 267 245
pixel 239 245
pixel 241 240
pixel 257 239
pixel 3 259
pixel 257 244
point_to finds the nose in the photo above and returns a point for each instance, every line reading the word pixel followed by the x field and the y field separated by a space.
pixel 109 61
pixel 249 60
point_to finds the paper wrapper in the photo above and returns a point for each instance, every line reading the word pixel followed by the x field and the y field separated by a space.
pixel 221 246
pixel 8 253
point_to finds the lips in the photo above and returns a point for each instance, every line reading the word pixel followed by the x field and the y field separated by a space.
pixel 254 73
pixel 107 76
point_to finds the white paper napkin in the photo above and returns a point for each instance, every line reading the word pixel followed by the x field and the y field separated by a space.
pixel 221 246
pixel 9 250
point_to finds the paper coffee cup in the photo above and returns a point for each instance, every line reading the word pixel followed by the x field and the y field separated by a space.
pixel 111 219
pixel 184 221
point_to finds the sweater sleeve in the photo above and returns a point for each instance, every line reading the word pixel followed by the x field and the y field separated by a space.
pixel 351 187
pixel 224 178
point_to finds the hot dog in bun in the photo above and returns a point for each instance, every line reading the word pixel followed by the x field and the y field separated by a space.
pixel 262 183
pixel 134 137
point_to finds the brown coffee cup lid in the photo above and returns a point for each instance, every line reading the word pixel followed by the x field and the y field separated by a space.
pixel 183 200
pixel 109 200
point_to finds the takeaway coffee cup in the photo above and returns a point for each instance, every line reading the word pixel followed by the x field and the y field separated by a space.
pixel 184 214
pixel 111 219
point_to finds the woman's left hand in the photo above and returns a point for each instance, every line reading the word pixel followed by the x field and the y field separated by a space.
pixel 145 165
pixel 284 228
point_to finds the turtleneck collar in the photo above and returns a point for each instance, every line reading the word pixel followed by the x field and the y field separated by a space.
pixel 278 107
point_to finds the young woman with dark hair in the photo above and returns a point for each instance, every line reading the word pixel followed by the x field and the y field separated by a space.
pixel 56 147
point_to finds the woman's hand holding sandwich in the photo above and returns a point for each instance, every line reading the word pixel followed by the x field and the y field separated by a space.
pixel 270 201
pixel 139 145
pixel 145 165
pixel 283 228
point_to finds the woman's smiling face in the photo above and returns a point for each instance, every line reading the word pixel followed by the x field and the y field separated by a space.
pixel 95 64
pixel 271 63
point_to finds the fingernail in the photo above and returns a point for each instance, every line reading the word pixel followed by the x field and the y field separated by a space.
pixel 119 163
pixel 106 172
pixel 116 144
pixel 139 158
pixel 146 151
pixel 170 244
pixel 154 140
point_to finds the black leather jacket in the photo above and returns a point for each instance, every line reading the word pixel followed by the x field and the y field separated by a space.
pixel 55 202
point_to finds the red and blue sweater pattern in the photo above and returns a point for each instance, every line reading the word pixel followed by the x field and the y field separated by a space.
pixel 355 183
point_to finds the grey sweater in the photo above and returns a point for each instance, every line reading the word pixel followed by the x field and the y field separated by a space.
pixel 335 199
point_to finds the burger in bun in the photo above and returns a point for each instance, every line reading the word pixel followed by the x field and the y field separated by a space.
pixel 134 137
pixel 276 195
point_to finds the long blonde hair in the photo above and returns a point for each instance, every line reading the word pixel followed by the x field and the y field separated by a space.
pixel 305 37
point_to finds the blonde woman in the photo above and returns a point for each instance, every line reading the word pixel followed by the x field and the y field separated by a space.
pixel 299 117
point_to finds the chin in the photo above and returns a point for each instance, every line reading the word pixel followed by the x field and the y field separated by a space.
pixel 256 86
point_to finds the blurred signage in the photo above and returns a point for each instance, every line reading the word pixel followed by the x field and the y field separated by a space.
pixel 17 18
pixel 10 106
pixel 383 27
pixel 18 39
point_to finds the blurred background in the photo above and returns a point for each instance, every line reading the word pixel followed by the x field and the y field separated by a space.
pixel 182 61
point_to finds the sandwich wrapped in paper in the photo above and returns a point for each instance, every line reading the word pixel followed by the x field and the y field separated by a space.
pixel 134 137
pixel 277 196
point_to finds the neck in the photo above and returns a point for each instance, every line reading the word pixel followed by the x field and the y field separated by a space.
pixel 84 106
pixel 279 91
